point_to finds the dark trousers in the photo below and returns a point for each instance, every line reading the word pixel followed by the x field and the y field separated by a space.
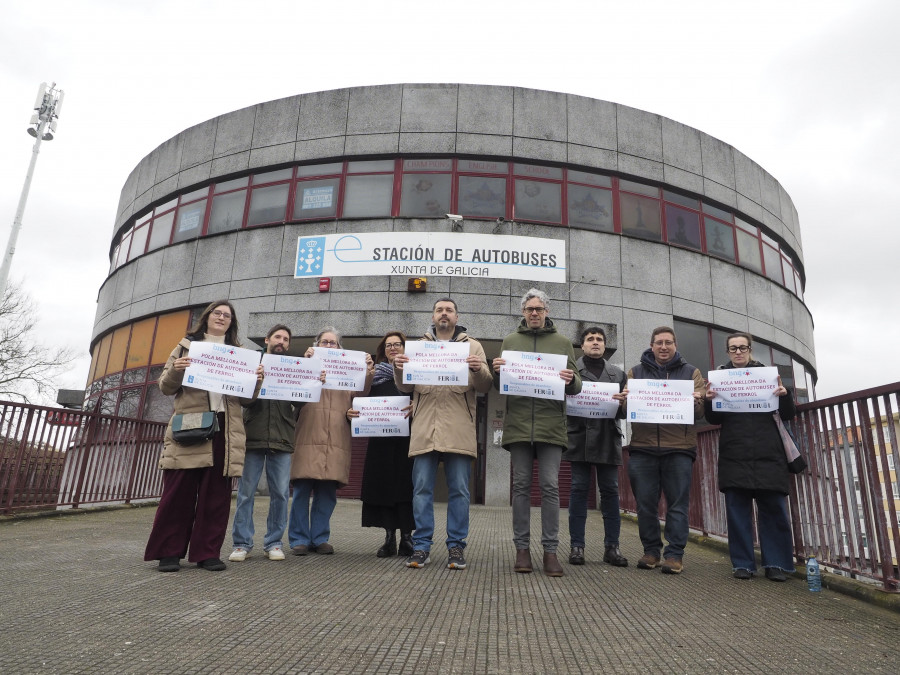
pixel 653 476
pixel 773 524
pixel 193 511
pixel 608 485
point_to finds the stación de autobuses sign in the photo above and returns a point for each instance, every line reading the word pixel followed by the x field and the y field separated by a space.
pixel 441 254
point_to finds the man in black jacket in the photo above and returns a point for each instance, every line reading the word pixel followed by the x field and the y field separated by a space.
pixel 596 443
pixel 270 443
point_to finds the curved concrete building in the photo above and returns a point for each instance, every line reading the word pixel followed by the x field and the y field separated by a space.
pixel 653 222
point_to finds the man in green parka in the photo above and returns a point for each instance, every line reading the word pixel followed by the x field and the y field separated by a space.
pixel 535 428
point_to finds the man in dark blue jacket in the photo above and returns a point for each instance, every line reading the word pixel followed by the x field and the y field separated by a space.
pixel 661 458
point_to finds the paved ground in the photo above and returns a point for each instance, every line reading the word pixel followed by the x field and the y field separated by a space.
pixel 78 598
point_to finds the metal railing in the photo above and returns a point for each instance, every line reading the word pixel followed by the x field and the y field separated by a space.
pixel 52 459
pixel 844 507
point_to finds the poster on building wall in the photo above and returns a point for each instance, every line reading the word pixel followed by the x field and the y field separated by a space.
pixel 440 254
pixel 595 401
pixel 291 378
pixel 744 389
pixel 533 374
pixel 380 416
pixel 661 401
pixel 317 198
pixel 221 369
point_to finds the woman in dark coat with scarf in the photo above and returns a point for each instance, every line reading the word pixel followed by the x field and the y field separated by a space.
pixel 753 467
pixel 387 472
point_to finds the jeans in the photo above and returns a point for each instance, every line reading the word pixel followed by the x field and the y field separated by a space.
pixel 456 469
pixel 670 475
pixel 522 456
pixel 311 527
pixel 775 541
pixel 608 485
pixel 278 474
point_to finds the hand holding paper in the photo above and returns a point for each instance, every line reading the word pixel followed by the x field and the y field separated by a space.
pixel 221 369
pixel 744 389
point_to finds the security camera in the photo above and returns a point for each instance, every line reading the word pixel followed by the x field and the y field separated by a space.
pixel 454 217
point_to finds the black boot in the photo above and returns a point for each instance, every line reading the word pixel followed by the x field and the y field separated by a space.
pixel 614 557
pixel 406 544
pixel 389 548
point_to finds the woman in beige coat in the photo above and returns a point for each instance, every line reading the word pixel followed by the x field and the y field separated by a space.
pixel 321 462
pixel 196 499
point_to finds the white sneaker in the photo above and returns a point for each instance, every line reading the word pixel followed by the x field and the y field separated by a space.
pixel 239 554
pixel 275 553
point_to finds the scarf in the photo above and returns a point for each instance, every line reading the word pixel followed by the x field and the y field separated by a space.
pixel 384 371
pixel 594 366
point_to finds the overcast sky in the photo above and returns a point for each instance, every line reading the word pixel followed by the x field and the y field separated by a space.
pixel 807 89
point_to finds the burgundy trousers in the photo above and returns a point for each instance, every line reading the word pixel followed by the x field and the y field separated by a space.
pixel 193 511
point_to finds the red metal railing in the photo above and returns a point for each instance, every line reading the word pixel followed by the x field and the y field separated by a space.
pixel 844 507
pixel 52 459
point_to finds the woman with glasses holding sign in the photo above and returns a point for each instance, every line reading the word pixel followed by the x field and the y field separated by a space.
pixel 753 467
pixel 196 499
pixel 387 473
pixel 321 462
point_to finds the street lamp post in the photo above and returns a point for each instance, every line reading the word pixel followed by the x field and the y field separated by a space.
pixel 42 126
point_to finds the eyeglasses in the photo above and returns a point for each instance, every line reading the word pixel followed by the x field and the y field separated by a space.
pixel 393 345
pixel 734 349
pixel 328 343
pixel 664 343
pixel 223 315
pixel 534 310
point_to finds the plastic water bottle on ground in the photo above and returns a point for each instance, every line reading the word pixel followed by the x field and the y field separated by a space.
pixel 813 575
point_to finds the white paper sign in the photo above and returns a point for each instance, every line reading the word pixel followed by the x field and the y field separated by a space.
pixel 344 368
pixel 533 374
pixel 380 416
pixel 595 401
pixel 437 363
pixel 744 389
pixel 291 378
pixel 221 369
pixel 661 401
pixel 433 254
